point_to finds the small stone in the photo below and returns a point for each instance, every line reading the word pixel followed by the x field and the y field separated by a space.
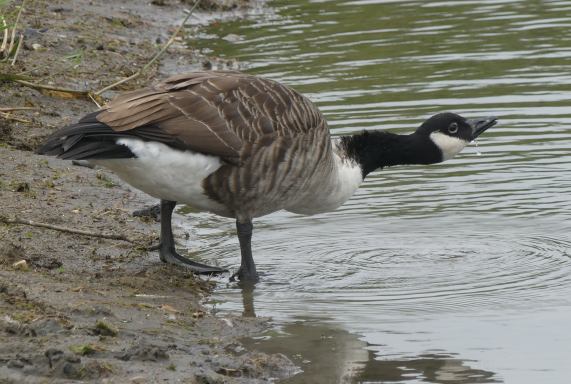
pixel 228 322
pixel 169 308
pixel 209 378
pixel 22 187
pixel 36 46
pixel 15 364
pixel 70 370
pixel 53 355
pixel 10 253
pixel 232 38
pixel 44 327
pixel 73 359
pixel 198 314
pixel 21 265
pixel 207 64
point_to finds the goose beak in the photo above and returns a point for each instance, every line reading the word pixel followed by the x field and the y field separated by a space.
pixel 481 124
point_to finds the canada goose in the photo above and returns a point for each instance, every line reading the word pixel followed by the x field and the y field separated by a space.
pixel 242 146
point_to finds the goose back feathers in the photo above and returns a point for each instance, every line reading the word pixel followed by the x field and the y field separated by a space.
pixel 226 114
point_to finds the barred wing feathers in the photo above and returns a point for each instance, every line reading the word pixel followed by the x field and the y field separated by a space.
pixel 226 114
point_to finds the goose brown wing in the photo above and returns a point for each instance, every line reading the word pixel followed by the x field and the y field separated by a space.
pixel 226 114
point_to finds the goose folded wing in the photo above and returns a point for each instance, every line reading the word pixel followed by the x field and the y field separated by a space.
pixel 224 114
pixel 190 117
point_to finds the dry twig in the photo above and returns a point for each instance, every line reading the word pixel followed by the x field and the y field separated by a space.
pixel 17 49
pixel 5 37
pixel 8 116
pixel 63 93
pixel 155 58
pixel 110 236
pixel 49 88
pixel 11 109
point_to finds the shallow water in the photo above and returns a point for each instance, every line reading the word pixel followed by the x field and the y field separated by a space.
pixel 453 273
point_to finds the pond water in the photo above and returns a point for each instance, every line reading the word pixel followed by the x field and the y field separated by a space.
pixel 452 273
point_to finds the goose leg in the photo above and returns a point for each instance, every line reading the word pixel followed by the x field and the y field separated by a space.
pixel 247 271
pixel 167 251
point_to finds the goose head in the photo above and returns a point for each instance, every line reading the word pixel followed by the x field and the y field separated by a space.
pixel 450 132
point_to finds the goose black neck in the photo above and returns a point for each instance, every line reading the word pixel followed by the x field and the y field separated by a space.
pixel 378 149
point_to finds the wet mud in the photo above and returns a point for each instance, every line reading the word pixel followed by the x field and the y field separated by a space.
pixel 77 308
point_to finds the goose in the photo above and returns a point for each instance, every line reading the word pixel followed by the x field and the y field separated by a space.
pixel 243 146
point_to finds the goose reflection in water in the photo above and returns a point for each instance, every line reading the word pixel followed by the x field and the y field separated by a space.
pixel 326 355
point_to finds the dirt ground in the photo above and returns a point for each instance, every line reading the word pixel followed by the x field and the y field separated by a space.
pixel 77 308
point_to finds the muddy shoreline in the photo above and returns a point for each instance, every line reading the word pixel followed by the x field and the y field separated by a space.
pixel 76 308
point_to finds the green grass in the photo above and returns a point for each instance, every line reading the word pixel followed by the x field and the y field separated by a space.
pixel 83 349
pixel 3 15
pixel 3 24
pixel 76 57
pixel 105 329
pixel 104 180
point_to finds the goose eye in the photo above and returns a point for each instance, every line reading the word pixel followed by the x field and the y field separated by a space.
pixel 453 128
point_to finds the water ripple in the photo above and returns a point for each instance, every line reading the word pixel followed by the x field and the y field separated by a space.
pixel 395 267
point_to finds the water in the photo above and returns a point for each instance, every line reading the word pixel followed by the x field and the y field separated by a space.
pixel 453 273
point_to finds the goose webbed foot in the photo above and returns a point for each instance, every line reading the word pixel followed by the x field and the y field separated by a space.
pixel 245 275
pixel 170 256
pixel 167 251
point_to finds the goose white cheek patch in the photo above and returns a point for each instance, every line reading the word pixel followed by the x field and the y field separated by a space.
pixel 449 146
